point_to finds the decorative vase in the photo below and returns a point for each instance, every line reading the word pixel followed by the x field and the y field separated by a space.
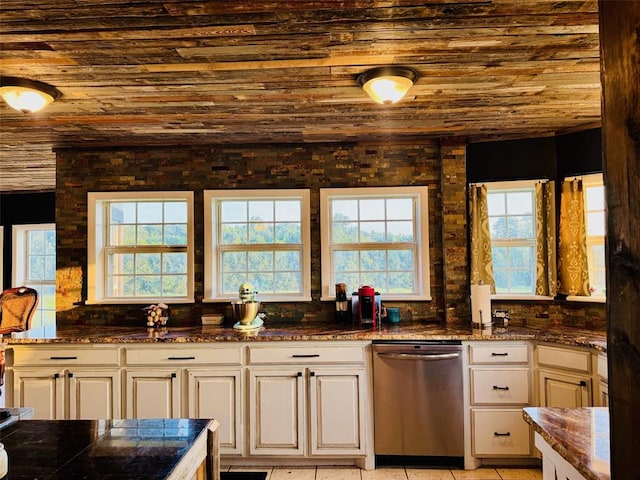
pixel 156 315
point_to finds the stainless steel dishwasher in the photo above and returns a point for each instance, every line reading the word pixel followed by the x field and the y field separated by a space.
pixel 417 395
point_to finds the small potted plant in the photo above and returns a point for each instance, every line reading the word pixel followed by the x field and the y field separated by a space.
pixel 156 315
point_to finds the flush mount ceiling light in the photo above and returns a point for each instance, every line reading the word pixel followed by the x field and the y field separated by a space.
pixel 27 95
pixel 387 85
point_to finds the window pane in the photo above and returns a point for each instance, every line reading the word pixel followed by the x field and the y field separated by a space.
pixel 288 233
pixel 149 235
pixel 175 234
pixel 288 283
pixel 345 261
pixel 497 227
pixel 35 241
pixel 372 232
pixel 234 262
pixel 288 211
pixel 149 212
pixel 351 279
pixel 233 211
pixel 519 203
pixel 495 203
pixel 49 268
pixel 288 261
pixel 121 264
pixel 36 267
pixel 261 210
pixel 521 257
pixel 595 224
pixel 261 233
pixel 175 212
pixel 377 280
pixel 50 242
pixel 595 198
pixel 122 235
pixel 400 260
pixel 372 209
pixel 520 281
pixel 148 285
pixel 174 263
pixel 260 261
pixel 500 277
pixel 401 282
pixel 234 234
pixel 174 285
pixel 121 286
pixel 231 283
pixel 147 263
pixel 123 212
pixel 597 254
pixel 345 232
pixel 400 209
pixel 400 231
pixel 499 257
pixel 373 260
pixel 344 210
pixel 520 227
pixel 262 282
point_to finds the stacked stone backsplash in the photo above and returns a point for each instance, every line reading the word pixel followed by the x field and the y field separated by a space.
pixel 198 168
pixel 554 312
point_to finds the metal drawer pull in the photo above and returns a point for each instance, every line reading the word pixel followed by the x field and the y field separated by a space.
pixel 181 358
pixel 63 358
pixel 498 434
pixel 309 355
pixel 493 354
pixel 496 387
pixel 418 356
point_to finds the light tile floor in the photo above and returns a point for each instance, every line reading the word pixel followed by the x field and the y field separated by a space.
pixel 393 473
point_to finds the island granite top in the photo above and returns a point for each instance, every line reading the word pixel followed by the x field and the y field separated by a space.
pixel 579 435
pixel 316 331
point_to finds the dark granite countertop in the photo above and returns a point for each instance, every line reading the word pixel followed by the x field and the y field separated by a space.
pixel 99 449
pixel 318 331
pixel 579 435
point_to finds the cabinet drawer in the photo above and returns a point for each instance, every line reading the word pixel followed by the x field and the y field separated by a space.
pixel 507 386
pixel 564 358
pixel 188 355
pixel 499 353
pixel 306 354
pixel 68 355
pixel 498 433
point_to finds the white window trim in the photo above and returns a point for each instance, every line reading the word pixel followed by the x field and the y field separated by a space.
pixel 211 272
pixel 514 186
pixel 96 286
pixel 19 254
pixel 421 193
pixel 589 180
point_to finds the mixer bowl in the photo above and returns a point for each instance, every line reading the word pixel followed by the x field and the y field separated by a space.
pixel 245 313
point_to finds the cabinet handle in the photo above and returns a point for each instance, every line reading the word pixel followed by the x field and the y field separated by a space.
pixel 56 375
pixel 583 383
pixel 70 374
pixel 308 355
pixel 494 354
pixel 498 434
pixel 312 374
pixel 174 375
pixel 496 387
pixel 299 374
pixel 181 358
pixel 63 358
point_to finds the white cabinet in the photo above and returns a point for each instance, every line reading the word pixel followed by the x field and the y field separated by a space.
pixel 188 380
pixel 321 383
pixel 564 377
pixel 499 385
pixel 63 383
pixel 603 383
pixel 554 467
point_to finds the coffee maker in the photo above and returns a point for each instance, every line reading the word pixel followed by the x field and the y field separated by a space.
pixel 366 306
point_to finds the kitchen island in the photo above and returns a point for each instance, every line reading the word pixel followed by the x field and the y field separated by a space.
pixel 574 442
pixel 109 449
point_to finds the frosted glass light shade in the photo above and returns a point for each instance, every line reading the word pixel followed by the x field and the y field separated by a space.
pixel 27 95
pixel 387 85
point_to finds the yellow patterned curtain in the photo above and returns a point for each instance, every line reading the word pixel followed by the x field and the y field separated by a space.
pixel 481 264
pixel 546 277
pixel 573 268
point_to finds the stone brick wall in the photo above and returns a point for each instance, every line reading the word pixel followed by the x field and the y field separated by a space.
pixel 198 168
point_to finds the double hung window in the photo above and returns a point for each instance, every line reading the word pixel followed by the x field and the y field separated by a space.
pixel 594 201
pixel 378 237
pixel 141 247
pixel 261 237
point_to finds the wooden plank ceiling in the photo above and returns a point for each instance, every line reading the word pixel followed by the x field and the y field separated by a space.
pixel 159 72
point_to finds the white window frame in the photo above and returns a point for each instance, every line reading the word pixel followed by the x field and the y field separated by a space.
pixel 592 180
pixel 514 186
pixel 420 195
pixel 212 252
pixel 20 268
pixel 97 203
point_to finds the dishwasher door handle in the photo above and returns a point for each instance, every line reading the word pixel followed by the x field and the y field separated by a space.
pixel 420 356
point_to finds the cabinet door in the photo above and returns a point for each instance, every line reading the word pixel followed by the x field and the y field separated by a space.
pixel 561 390
pixel 217 394
pixel 276 412
pixel 153 393
pixel 604 394
pixel 336 406
pixel 94 394
pixel 43 389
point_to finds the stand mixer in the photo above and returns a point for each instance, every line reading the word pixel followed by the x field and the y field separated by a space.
pixel 245 310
